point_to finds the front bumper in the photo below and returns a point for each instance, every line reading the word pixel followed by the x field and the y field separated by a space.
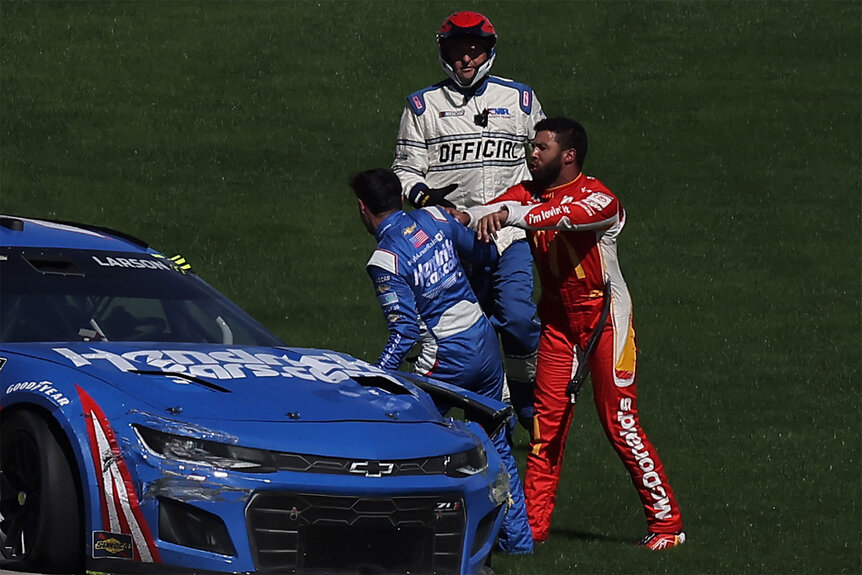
pixel 210 520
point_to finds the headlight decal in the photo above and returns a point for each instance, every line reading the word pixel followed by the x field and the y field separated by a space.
pixel 467 463
pixel 205 452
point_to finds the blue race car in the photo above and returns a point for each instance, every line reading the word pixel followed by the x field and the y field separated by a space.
pixel 148 423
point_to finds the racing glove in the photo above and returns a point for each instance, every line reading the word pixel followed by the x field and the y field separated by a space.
pixel 421 196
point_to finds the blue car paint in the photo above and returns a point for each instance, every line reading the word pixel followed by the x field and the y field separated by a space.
pixel 284 399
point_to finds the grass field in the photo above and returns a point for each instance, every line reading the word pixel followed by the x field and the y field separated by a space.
pixel 226 131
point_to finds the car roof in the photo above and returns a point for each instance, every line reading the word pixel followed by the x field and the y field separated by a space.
pixel 18 231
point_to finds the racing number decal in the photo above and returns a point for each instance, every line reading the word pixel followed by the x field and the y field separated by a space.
pixel 121 512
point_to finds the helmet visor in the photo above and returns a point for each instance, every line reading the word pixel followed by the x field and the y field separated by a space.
pixel 459 47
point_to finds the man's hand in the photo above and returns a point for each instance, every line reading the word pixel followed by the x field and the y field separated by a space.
pixel 462 217
pixel 489 225
pixel 421 196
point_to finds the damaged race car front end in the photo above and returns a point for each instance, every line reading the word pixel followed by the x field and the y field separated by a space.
pixel 379 497
pixel 149 424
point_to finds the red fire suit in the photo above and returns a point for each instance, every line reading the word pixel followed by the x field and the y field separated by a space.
pixel 573 230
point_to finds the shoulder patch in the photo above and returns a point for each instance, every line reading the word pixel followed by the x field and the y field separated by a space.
pixel 436 213
pixel 526 100
pixel 525 93
pixel 416 100
pixel 385 260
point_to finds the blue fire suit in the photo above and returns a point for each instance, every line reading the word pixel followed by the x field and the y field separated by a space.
pixel 425 296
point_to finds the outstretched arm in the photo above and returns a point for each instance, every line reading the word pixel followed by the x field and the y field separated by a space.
pixel 596 211
pixel 472 252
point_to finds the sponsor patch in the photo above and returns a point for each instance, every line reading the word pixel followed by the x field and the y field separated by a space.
pixel 451 113
pixel 116 545
pixel 389 298
pixel 408 230
pixel 437 270
pixel 597 200
pixel 499 112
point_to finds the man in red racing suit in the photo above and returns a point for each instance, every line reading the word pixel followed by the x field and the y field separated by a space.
pixel 573 222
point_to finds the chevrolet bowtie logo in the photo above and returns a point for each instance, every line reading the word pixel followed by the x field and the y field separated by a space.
pixel 372 468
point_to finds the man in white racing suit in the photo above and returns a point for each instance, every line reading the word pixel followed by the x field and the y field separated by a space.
pixel 461 142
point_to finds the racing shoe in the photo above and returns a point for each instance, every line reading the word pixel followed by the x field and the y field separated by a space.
pixel 659 541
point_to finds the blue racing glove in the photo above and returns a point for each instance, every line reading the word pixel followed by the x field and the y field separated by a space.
pixel 421 196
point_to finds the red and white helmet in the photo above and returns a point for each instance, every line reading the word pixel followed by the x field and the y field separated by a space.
pixel 472 24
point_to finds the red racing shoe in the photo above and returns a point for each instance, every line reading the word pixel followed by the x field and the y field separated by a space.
pixel 659 541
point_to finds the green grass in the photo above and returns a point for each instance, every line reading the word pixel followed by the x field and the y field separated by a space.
pixel 226 131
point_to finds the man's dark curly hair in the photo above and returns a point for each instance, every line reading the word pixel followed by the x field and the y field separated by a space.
pixel 379 189
pixel 569 134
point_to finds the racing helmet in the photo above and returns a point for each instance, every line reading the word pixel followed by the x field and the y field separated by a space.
pixel 470 24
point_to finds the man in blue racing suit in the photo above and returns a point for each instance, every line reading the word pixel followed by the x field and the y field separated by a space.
pixel 426 298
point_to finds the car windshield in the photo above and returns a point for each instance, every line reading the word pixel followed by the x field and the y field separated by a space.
pixel 53 295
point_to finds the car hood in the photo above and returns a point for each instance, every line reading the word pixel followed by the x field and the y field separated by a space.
pixel 237 383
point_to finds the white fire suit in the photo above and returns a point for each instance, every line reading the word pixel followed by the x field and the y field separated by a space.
pixel 477 139
pixel 441 142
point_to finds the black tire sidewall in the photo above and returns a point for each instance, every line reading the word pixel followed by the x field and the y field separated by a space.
pixel 58 543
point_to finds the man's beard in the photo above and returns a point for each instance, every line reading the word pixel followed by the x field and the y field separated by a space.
pixel 546 175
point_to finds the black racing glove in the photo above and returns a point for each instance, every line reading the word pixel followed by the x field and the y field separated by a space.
pixel 421 196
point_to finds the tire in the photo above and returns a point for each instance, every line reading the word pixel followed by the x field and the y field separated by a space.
pixel 41 528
